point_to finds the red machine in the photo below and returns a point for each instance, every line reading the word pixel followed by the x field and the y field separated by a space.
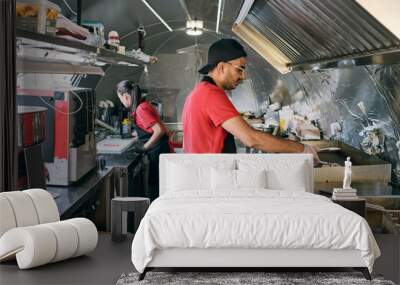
pixel 69 149
pixel 31 133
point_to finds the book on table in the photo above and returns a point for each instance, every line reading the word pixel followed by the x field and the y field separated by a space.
pixel 341 190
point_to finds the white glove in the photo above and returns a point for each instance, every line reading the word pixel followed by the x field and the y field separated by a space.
pixel 311 150
pixel 110 103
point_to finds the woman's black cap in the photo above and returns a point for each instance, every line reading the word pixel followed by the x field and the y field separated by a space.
pixel 222 50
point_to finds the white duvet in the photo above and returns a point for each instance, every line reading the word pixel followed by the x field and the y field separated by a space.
pixel 254 218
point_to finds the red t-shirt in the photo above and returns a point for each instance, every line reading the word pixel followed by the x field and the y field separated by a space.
pixel 205 109
pixel 146 116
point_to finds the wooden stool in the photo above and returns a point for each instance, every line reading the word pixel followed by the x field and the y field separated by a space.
pixel 120 206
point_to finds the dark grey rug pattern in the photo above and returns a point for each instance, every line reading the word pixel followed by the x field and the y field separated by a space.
pixel 244 278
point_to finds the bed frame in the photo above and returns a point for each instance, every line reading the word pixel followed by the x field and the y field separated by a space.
pixel 246 259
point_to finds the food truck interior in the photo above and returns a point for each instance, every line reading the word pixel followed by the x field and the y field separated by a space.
pixel 325 74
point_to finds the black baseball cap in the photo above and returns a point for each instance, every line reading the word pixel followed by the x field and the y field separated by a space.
pixel 222 50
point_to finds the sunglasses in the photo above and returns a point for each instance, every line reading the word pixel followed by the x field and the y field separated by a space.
pixel 238 68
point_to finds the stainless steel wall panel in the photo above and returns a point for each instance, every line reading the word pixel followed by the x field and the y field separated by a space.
pixel 334 95
pixel 311 30
pixel 307 31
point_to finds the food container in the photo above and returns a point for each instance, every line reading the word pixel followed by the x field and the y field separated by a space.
pixel 30 24
pixel 31 125
pixel 37 16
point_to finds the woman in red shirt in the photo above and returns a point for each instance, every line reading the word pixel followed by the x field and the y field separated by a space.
pixel 151 131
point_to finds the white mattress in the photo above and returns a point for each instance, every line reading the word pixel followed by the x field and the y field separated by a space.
pixel 253 218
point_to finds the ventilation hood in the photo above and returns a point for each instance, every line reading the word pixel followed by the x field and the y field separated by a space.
pixel 315 34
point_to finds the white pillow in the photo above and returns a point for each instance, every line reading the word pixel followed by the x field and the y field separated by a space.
pixel 291 180
pixel 251 178
pixel 282 173
pixel 223 179
pixel 182 177
pixel 227 179
pixel 186 175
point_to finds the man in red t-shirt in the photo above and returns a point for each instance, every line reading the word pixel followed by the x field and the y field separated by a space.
pixel 210 121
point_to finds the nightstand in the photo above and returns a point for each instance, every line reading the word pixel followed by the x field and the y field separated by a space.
pixel 357 206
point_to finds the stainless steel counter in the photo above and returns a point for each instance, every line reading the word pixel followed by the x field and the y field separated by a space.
pixel 90 195
pixel 130 173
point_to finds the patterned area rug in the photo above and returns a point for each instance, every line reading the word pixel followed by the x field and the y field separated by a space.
pixel 242 278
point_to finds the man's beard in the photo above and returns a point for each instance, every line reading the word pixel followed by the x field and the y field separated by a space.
pixel 231 86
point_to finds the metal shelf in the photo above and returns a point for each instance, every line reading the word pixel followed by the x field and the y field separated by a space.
pixel 36 65
pixel 55 43
pixel 111 57
pixel 54 40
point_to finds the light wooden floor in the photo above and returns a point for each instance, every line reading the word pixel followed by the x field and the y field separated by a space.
pixel 102 266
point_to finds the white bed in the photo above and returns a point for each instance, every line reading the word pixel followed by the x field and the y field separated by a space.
pixel 247 210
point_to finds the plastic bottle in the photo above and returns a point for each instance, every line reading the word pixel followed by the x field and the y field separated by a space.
pixel 126 128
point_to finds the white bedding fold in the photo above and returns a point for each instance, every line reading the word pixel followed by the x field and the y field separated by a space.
pixel 256 218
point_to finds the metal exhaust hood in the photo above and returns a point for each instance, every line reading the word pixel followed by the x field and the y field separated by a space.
pixel 315 34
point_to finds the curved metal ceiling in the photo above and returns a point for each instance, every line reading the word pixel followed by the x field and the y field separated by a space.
pixel 125 16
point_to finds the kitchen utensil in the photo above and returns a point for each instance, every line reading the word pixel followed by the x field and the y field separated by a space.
pixel 331 164
pixel 329 149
